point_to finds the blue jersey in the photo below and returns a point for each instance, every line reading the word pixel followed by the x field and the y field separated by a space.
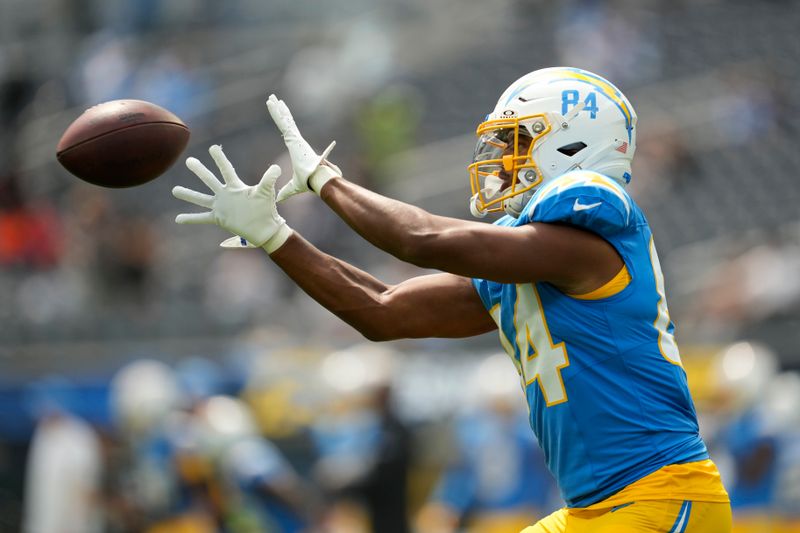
pixel 607 394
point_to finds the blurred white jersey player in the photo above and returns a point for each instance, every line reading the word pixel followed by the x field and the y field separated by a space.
pixel 62 479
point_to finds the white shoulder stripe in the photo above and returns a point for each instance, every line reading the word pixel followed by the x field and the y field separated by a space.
pixel 583 177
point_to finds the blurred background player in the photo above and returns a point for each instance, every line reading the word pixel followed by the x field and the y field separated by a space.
pixel 571 280
pixel 752 430
pixel 195 460
pixel 496 480
pixel 65 467
pixel 242 476
pixel 364 448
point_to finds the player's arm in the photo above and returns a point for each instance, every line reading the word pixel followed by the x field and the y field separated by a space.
pixel 573 259
pixel 441 305
pixel 436 305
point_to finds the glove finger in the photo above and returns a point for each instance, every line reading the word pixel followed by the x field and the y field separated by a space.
pixel 237 242
pixel 286 114
pixel 224 165
pixel 195 218
pixel 327 151
pixel 205 175
pixel 269 178
pixel 193 197
pixel 275 113
pixel 287 191
pixel 272 103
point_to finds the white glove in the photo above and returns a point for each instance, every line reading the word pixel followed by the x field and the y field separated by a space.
pixel 310 171
pixel 244 210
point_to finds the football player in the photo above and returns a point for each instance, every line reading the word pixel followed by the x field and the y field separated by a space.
pixel 569 277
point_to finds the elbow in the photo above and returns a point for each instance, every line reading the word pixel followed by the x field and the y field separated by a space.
pixel 377 335
pixel 419 249
pixel 380 331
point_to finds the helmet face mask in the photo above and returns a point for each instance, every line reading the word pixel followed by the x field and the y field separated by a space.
pixel 545 124
pixel 502 166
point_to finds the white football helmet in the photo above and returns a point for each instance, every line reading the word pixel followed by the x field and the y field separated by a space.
pixel 546 123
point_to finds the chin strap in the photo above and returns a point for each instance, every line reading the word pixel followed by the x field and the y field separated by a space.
pixel 514 205
pixel 476 211
pixel 492 186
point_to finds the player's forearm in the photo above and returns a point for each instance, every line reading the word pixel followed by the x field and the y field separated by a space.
pixel 348 292
pixel 405 231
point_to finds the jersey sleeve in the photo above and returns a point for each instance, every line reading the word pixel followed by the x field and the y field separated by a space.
pixel 584 199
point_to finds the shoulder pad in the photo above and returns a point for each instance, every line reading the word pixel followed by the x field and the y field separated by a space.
pixel 582 198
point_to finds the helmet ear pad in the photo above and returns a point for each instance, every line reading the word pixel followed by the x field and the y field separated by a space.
pixel 553 162
pixel 563 151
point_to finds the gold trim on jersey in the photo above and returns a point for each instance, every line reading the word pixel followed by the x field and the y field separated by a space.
pixel 615 286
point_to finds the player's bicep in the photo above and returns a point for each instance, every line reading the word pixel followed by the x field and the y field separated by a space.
pixel 436 305
pixel 560 254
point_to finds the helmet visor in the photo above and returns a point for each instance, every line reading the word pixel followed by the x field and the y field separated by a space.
pixel 492 144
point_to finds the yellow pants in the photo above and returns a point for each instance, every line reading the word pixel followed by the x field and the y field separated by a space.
pixel 656 516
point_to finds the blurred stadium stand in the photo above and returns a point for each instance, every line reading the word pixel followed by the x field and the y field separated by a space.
pixel 92 279
pixel 715 85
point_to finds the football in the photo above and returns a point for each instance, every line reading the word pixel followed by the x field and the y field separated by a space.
pixel 122 143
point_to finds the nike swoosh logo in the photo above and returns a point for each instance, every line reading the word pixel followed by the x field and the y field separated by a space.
pixel 578 206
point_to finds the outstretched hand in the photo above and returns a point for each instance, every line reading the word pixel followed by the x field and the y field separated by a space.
pixel 310 170
pixel 247 211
